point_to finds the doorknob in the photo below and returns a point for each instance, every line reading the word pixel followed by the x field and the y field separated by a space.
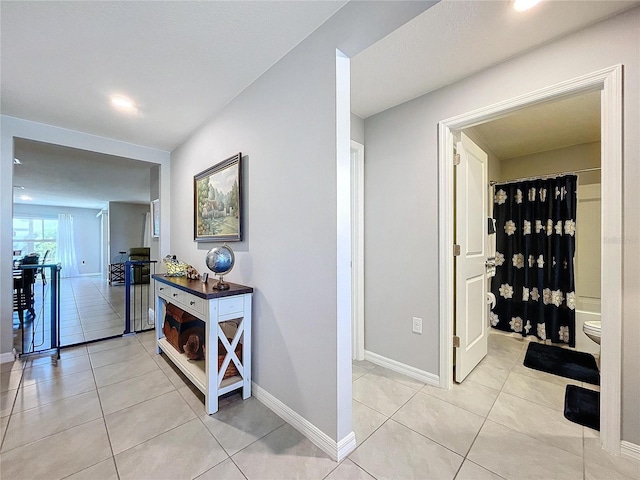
pixel 490 266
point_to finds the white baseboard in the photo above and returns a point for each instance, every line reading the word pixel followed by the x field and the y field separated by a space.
pixel 421 375
pixel 6 357
pixel 630 449
pixel 336 450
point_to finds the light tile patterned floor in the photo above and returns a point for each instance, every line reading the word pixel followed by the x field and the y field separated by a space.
pixel 90 309
pixel 116 410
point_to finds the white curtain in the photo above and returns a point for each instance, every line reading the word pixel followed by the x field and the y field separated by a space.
pixel 66 246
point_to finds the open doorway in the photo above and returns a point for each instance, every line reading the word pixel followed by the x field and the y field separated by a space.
pixel 547 141
pixel 609 82
pixel 57 186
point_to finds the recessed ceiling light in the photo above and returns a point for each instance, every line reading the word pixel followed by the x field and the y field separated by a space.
pixel 19 187
pixel 25 197
pixel 17 161
pixel 522 5
pixel 122 103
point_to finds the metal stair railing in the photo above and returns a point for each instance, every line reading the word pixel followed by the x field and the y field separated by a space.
pixel 138 295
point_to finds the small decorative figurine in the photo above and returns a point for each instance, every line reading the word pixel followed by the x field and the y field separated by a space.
pixel 192 273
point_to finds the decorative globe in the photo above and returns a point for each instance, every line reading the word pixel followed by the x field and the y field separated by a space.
pixel 220 260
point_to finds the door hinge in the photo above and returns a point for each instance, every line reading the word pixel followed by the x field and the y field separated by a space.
pixel 456 249
pixel 456 159
pixel 456 341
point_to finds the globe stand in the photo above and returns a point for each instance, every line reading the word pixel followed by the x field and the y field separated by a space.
pixel 221 284
pixel 220 261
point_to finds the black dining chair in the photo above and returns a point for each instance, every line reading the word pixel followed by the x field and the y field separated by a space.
pixel 23 281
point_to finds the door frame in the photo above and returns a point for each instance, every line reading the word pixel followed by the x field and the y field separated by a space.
pixel 609 82
pixel 357 250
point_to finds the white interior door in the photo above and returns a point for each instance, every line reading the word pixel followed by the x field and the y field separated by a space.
pixel 471 235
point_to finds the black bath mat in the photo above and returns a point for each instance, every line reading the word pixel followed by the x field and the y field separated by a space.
pixel 563 362
pixel 582 406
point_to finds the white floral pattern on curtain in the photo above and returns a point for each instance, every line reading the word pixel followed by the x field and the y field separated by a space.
pixel 66 246
pixel 534 283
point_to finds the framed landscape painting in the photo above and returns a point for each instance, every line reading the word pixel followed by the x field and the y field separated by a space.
pixel 217 194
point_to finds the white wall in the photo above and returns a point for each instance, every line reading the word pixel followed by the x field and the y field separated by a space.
pixel 285 124
pixel 357 129
pixel 401 211
pixel 567 159
pixel 588 272
pixel 126 226
pixel 11 127
pixel 86 232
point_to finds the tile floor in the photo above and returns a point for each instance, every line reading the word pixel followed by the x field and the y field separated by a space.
pixel 90 309
pixel 115 410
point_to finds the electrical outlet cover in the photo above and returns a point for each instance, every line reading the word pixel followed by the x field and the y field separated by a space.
pixel 417 325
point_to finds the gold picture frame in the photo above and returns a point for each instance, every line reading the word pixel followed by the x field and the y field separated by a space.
pixel 217 202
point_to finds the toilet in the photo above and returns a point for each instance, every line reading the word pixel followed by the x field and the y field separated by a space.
pixel 591 329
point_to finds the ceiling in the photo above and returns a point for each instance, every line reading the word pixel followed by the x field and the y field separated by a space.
pixel 455 39
pixel 182 62
pixel 63 176
pixel 563 123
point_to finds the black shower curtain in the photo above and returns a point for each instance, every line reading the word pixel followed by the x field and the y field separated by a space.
pixel 534 283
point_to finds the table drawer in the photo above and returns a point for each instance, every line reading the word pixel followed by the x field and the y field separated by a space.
pixel 196 303
pixel 228 306
pixel 177 296
pixel 163 290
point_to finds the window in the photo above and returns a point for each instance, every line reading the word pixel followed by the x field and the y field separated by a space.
pixel 32 234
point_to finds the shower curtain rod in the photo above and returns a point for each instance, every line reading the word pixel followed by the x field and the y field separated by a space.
pixel 548 175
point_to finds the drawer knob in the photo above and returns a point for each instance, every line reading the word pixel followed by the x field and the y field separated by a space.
pixel 175 294
pixel 192 303
pixel 161 288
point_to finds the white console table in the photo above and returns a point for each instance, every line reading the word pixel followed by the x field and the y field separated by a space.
pixel 213 307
